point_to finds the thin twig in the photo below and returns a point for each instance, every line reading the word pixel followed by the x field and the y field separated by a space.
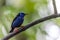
pixel 30 25
pixel 54 6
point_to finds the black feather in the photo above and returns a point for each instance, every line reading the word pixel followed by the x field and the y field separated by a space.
pixel 11 30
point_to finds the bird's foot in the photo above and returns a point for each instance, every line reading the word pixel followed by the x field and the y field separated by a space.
pixel 17 29
pixel 22 26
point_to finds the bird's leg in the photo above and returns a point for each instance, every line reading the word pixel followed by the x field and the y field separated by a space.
pixel 22 26
pixel 17 29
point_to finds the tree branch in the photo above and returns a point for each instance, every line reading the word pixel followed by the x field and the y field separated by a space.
pixel 54 5
pixel 30 25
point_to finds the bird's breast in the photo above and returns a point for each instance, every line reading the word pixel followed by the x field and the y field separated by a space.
pixel 18 22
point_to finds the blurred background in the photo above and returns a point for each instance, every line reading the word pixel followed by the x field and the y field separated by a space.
pixel 36 9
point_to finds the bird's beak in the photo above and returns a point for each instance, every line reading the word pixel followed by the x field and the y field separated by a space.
pixel 26 14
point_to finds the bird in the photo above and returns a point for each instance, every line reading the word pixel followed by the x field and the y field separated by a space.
pixel 17 21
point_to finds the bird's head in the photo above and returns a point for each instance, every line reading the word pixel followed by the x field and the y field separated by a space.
pixel 22 14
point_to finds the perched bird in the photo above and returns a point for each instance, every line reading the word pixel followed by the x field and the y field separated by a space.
pixel 18 20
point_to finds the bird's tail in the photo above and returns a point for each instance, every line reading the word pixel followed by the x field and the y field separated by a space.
pixel 11 30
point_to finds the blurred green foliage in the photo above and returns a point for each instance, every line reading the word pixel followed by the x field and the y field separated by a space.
pixel 8 12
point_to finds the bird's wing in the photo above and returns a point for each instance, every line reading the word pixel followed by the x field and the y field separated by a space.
pixel 15 18
pixel 17 22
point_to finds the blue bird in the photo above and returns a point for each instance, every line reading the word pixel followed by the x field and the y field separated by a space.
pixel 18 20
